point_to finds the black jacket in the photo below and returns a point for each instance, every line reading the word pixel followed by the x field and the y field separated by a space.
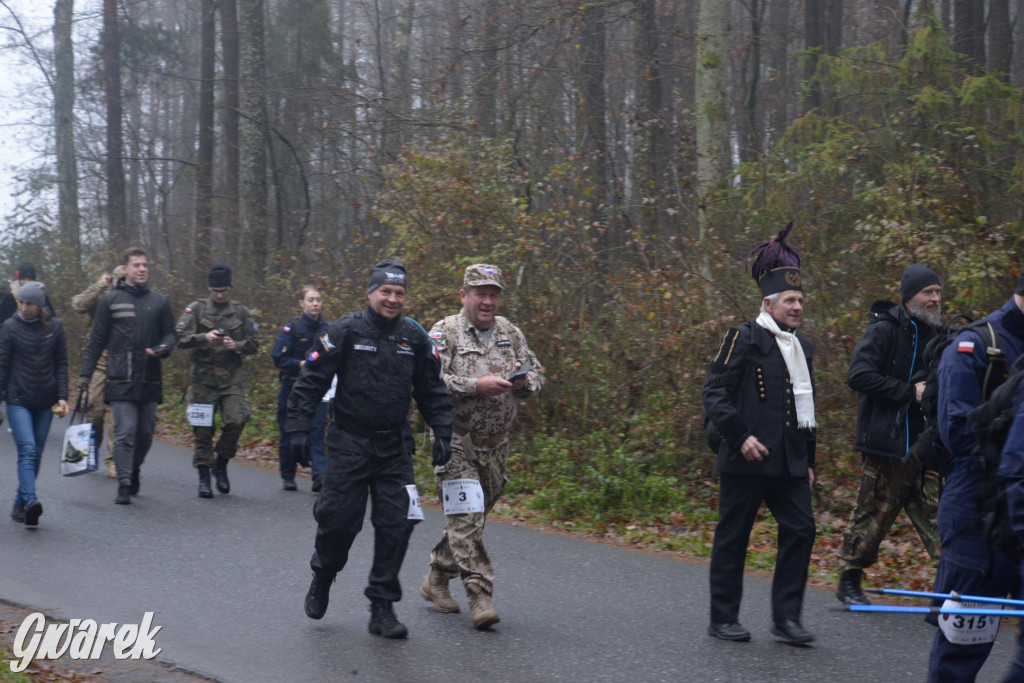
pixel 293 344
pixel 33 362
pixel 128 321
pixel 882 369
pixel 381 365
pixel 747 392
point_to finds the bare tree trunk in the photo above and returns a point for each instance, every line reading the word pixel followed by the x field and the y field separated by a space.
pixel 487 84
pixel 229 50
pixel 814 41
pixel 1000 39
pixel 204 155
pixel 592 129
pixel 778 93
pixel 654 148
pixel 119 231
pixel 751 140
pixel 252 134
pixel 833 27
pixel 712 109
pixel 968 33
pixel 64 124
pixel 398 98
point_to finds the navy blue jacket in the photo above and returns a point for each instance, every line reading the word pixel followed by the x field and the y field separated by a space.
pixel 1011 465
pixel 961 374
pixel 294 343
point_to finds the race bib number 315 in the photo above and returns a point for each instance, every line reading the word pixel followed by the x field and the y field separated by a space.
pixel 968 629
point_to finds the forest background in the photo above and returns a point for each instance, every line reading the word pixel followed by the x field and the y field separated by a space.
pixel 617 159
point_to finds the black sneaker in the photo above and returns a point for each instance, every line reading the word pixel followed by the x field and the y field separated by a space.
pixel 383 621
pixel 318 483
pixel 32 512
pixel 318 595
pixel 729 631
pixel 18 513
pixel 289 485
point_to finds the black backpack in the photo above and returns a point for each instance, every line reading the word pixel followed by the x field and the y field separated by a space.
pixel 991 423
pixel 928 447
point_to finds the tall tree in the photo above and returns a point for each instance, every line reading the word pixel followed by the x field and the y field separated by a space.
pixel 712 108
pixel 252 135
pixel 64 121
pixel 204 154
pixel 654 147
pixel 118 229
pixel 969 32
pixel 1000 37
pixel 592 129
pixel 487 84
pixel 229 58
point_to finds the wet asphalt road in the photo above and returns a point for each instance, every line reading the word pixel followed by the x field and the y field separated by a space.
pixel 226 578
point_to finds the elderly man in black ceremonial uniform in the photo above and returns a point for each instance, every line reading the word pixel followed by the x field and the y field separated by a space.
pixel 382 360
pixel 759 399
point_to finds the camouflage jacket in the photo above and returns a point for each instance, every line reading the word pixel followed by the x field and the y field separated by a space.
pixel 214 365
pixel 85 303
pixel 465 357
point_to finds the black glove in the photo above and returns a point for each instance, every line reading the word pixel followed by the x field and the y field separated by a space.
pixel 299 448
pixel 442 450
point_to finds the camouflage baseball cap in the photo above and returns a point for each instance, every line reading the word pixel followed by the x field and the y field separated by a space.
pixel 480 274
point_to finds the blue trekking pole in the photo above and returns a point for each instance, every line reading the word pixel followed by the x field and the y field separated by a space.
pixel 946 596
pixel 969 611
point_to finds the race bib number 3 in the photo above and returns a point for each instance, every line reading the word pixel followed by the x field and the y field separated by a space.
pixel 968 629
pixel 460 496
pixel 415 511
pixel 200 414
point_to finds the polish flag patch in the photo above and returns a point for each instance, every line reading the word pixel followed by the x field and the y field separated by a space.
pixel 312 357
pixel 965 347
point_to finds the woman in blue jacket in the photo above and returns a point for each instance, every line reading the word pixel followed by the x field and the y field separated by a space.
pixel 33 378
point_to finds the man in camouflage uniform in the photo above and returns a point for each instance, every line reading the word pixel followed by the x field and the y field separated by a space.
pixel 887 370
pixel 85 304
pixel 220 331
pixel 479 350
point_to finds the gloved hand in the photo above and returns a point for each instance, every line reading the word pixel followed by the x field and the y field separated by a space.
pixel 82 383
pixel 299 448
pixel 442 450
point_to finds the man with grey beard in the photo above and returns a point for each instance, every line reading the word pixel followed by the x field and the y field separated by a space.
pixel 882 370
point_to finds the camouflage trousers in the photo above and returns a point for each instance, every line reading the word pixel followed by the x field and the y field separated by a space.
pixel 461 548
pixel 234 413
pixel 888 486
pixel 97 412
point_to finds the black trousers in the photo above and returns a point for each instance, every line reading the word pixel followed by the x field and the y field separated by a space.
pixel 358 468
pixel 789 500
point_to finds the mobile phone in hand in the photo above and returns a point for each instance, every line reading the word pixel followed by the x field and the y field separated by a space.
pixel 523 370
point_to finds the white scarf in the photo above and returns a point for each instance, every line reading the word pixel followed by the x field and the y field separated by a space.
pixel 796 363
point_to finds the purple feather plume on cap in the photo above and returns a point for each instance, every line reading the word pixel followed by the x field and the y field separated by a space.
pixel 775 255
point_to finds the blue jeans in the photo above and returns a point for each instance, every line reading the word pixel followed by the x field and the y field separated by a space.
pixel 29 427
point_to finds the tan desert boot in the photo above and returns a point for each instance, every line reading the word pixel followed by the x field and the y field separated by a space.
pixel 435 590
pixel 483 613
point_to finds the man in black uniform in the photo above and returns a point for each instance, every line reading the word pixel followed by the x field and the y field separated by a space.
pixel 759 399
pixel 381 359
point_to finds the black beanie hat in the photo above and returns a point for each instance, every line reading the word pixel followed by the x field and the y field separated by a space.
pixel 26 271
pixel 388 272
pixel 1020 285
pixel 220 276
pixel 915 278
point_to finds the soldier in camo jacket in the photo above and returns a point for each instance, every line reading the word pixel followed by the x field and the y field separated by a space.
pixel 480 351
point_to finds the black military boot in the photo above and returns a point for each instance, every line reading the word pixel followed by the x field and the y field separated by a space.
pixel 220 473
pixel 383 621
pixel 318 595
pixel 136 482
pixel 848 592
pixel 204 482
pixel 124 494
